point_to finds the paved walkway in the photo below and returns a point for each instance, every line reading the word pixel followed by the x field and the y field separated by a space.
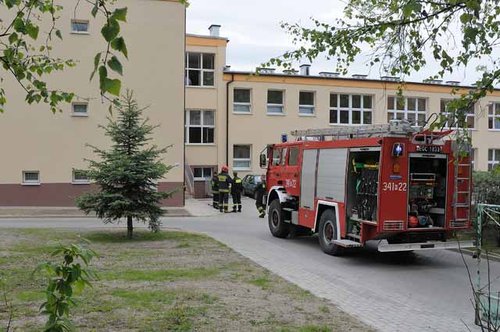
pixel 193 207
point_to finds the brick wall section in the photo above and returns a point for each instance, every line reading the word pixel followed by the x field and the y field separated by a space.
pixel 64 194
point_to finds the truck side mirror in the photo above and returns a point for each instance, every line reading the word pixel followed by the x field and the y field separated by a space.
pixel 263 161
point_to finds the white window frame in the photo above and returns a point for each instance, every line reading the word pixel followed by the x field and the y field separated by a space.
pixel 493 162
pixel 447 114
pixel 201 125
pixel 395 111
pixel 79 21
pixel 473 156
pixel 492 116
pixel 249 104
pixel 282 105
pixel 79 114
pixel 350 109
pixel 249 159
pixel 31 182
pixel 74 180
pixel 201 70
pixel 312 107
pixel 204 177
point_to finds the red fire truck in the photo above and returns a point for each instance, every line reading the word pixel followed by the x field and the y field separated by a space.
pixel 408 188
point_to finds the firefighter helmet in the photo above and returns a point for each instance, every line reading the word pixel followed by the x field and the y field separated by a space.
pixel 224 168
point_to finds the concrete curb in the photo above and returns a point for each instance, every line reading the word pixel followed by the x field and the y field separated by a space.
pixel 491 256
pixel 40 213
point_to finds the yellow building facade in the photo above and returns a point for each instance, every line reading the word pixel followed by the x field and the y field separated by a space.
pixel 42 152
pixel 252 111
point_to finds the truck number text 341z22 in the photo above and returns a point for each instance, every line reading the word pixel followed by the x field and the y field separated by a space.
pixel 394 186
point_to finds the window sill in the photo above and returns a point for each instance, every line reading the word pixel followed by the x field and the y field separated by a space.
pixel 276 114
pixel 348 124
pixel 80 33
pixel 242 113
pixel 241 169
pixel 200 144
pixel 307 115
pixel 79 115
pixel 30 184
pixel 201 86
pixel 494 130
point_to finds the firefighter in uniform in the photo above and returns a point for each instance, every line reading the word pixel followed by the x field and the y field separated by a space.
pixel 236 189
pixel 224 181
pixel 261 191
pixel 215 190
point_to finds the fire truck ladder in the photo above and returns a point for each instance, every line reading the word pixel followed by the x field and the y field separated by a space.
pixel 462 194
pixel 393 128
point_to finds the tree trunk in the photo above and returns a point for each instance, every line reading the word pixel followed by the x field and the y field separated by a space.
pixel 130 227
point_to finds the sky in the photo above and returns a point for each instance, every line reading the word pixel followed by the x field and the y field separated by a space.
pixel 254 33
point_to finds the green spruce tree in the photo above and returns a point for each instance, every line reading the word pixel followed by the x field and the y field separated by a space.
pixel 127 173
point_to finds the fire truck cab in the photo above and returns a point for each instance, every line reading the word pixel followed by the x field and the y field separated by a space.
pixel 404 186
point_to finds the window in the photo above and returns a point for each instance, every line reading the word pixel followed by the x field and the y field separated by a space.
pixel 80 177
pixel 200 69
pixel 494 116
pixel 79 109
pixel 493 158
pixel 276 157
pixel 452 122
pixel 241 157
pixel 242 103
pixel 283 157
pixel 79 26
pixel 202 173
pixel 293 158
pixel 200 127
pixel 275 102
pixel 306 103
pixel 350 109
pixel 31 177
pixel 407 108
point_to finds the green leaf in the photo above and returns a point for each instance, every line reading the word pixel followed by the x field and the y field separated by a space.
pixel 115 65
pixel 32 30
pixel 103 75
pixel 58 34
pixel 19 25
pixel 97 58
pixel 79 285
pixel 95 9
pixel 119 45
pixel 120 14
pixel 112 86
pixel 110 30
pixel 13 38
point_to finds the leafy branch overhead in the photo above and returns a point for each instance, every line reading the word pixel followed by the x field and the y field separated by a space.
pixel 402 36
pixel 26 49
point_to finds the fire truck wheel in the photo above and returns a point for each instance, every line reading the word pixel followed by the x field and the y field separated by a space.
pixel 277 225
pixel 327 233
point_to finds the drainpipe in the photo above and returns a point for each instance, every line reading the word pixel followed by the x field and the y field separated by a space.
pixel 227 118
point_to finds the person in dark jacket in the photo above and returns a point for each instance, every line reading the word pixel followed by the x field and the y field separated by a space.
pixel 224 181
pixel 259 198
pixel 215 190
pixel 236 190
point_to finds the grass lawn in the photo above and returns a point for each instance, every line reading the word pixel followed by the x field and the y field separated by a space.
pixel 168 281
